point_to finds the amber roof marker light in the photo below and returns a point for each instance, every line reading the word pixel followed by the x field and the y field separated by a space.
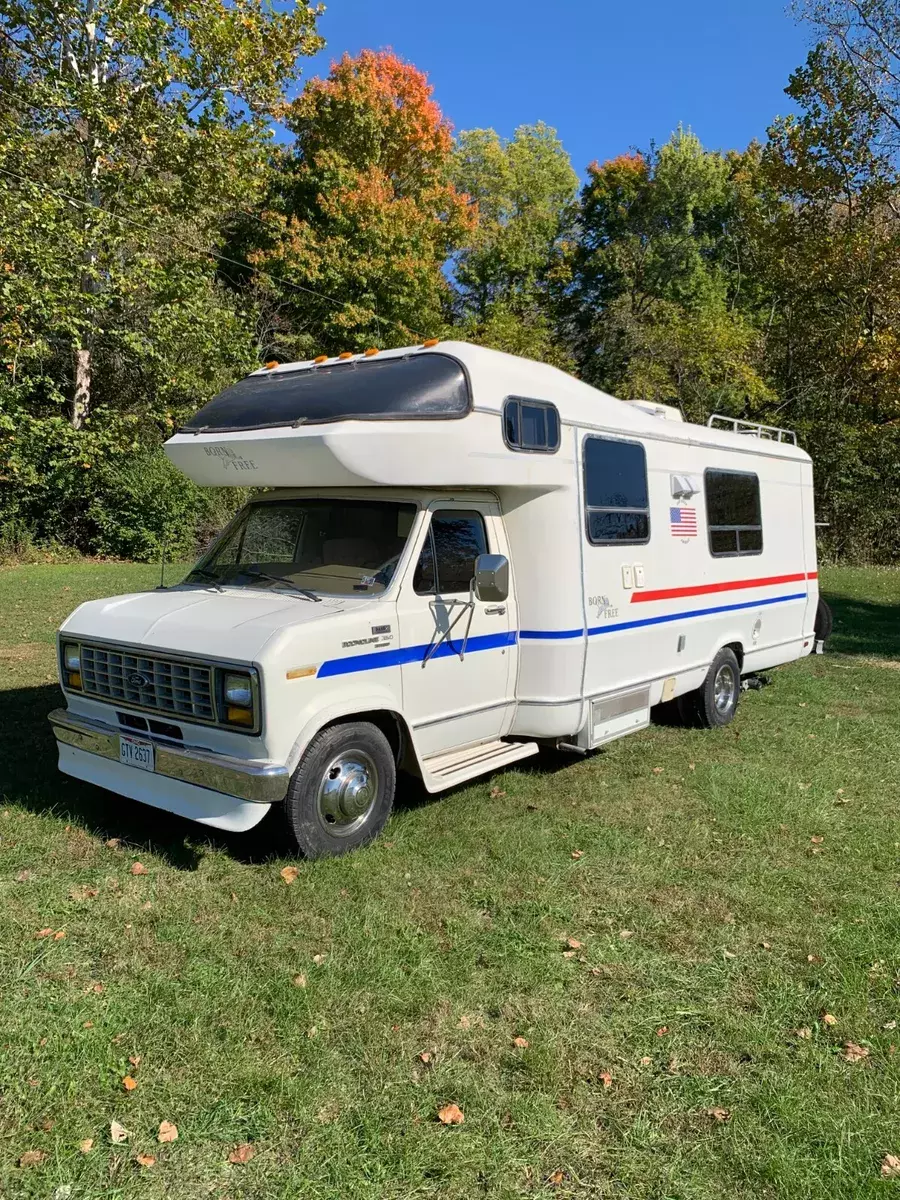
pixel 345 355
pixel 270 366
pixel 371 350
pixel 426 345
pixel 320 358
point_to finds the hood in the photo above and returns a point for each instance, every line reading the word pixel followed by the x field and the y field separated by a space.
pixel 235 623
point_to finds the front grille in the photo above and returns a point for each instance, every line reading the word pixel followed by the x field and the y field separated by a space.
pixel 152 683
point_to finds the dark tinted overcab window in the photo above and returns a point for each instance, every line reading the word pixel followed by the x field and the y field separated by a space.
pixel 733 513
pixel 617 506
pixel 420 386
pixel 446 564
pixel 530 425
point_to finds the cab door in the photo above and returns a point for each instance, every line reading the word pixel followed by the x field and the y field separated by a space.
pixel 459 653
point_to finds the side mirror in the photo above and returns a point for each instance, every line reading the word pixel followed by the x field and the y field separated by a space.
pixel 491 580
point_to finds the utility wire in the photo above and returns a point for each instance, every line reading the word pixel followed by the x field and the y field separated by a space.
pixel 149 229
pixel 181 241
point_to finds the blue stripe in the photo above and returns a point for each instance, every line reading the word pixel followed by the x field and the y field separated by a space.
pixel 594 630
pixel 494 641
pixel 413 654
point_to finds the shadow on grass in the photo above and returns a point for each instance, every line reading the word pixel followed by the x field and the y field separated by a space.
pixel 864 627
pixel 32 780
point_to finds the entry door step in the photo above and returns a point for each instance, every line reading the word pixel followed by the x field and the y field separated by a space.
pixel 446 770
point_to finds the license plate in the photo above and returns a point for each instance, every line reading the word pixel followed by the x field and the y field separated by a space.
pixel 135 752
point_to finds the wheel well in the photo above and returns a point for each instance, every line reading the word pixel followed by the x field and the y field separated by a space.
pixel 738 650
pixel 391 725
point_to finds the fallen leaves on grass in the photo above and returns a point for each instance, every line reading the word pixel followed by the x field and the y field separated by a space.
pixel 890 1167
pixel 646 1060
pixel 24 876
pixel 804 1032
pixel 605 1078
pixel 817 839
pixel 626 933
pixel 496 793
pixel 451 1114
pixel 557 1178
pixel 852 1053
pixel 657 770
pixel 242 1154
pixel 662 1031
pixel 299 981
pixel 721 1115
pixel 118 1133
pixel 134 1059
pixel 83 893
pixel 288 874
pixel 167 1132
pixel 32 1158
pixel 574 944
pixel 129 1083
pixel 829 1019
pixel 145 1160
pixel 425 1057
pixel 139 869
pixel 578 854
pixel 86 1146
pixel 318 959
pixel 521 1043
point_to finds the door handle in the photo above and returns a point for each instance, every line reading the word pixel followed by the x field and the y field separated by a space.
pixel 495 610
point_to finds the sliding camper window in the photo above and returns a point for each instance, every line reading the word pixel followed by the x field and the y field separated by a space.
pixel 414 387
pixel 446 564
pixel 617 506
pixel 733 513
pixel 530 425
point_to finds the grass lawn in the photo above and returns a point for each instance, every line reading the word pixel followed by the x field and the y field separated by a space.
pixel 730 889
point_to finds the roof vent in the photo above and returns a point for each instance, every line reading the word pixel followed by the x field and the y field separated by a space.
pixel 665 412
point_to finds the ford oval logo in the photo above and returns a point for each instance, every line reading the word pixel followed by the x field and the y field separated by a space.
pixel 136 679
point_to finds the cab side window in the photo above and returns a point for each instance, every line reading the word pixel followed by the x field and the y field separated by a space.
pixel 447 561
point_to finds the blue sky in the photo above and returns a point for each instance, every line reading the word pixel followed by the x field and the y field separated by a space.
pixel 608 74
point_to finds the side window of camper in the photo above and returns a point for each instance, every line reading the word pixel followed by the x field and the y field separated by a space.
pixel 733 513
pixel 617 505
pixel 530 425
pixel 447 561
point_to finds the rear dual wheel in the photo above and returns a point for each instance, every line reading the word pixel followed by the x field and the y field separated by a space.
pixel 342 792
pixel 714 703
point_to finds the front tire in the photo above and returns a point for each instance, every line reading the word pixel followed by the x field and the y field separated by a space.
pixel 342 792
pixel 714 703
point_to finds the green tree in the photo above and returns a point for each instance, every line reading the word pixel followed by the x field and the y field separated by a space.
pixel 656 278
pixel 507 274
pixel 130 124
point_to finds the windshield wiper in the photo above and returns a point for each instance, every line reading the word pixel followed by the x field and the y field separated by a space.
pixel 257 574
pixel 212 576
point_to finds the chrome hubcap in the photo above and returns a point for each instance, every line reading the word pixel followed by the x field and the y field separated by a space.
pixel 348 792
pixel 724 688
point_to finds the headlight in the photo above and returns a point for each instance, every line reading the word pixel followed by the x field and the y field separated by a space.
pixel 238 690
pixel 71 662
pixel 238 694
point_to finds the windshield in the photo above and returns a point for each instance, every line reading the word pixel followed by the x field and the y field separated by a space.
pixel 334 546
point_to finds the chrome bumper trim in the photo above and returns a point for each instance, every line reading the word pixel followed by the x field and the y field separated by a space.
pixel 259 782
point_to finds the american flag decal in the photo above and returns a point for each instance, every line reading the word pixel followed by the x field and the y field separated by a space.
pixel 683 522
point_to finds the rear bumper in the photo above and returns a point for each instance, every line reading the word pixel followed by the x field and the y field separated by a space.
pixel 253 782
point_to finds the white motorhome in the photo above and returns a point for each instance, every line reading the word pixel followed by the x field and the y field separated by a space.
pixel 460 557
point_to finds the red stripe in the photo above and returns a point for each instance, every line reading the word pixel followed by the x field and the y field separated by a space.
pixel 731 586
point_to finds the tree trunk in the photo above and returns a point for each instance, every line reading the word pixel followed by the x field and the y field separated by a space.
pixel 81 396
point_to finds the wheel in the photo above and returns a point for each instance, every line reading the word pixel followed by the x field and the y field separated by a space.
pixel 824 622
pixel 342 792
pixel 714 702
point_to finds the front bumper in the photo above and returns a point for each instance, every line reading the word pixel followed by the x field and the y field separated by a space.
pixel 256 782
